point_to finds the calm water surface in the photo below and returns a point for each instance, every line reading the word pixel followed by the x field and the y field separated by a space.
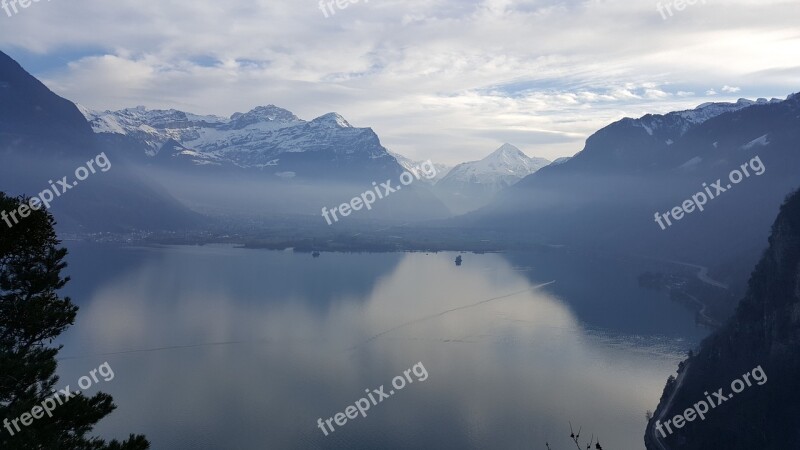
pixel 222 348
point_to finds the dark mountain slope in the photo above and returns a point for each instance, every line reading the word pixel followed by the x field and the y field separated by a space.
pixel 607 195
pixel 44 137
pixel 34 119
pixel 765 332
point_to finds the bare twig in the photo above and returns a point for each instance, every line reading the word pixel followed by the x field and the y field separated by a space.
pixel 576 439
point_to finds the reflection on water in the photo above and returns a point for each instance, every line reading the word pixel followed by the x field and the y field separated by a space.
pixel 222 348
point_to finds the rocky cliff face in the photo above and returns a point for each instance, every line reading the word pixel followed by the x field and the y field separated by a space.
pixel 765 331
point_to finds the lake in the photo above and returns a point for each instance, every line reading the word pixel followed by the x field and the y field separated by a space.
pixel 217 347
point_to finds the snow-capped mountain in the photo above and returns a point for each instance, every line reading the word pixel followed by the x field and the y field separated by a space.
pixel 470 185
pixel 268 159
pixel 682 121
pixel 649 142
pixel 502 168
pixel 267 138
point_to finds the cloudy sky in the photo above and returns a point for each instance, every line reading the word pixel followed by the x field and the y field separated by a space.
pixel 449 80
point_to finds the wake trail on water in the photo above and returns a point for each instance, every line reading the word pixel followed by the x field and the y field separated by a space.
pixel 433 316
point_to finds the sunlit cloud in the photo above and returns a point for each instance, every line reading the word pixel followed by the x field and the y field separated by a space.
pixel 443 79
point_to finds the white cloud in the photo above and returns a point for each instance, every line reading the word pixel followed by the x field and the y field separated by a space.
pixel 446 79
pixel 730 89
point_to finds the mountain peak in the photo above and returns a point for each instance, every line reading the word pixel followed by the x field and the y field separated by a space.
pixel 507 165
pixel 265 114
pixel 332 120
pixel 506 150
pixel 471 185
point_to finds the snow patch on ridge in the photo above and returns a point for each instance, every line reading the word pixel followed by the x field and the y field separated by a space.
pixel 762 141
